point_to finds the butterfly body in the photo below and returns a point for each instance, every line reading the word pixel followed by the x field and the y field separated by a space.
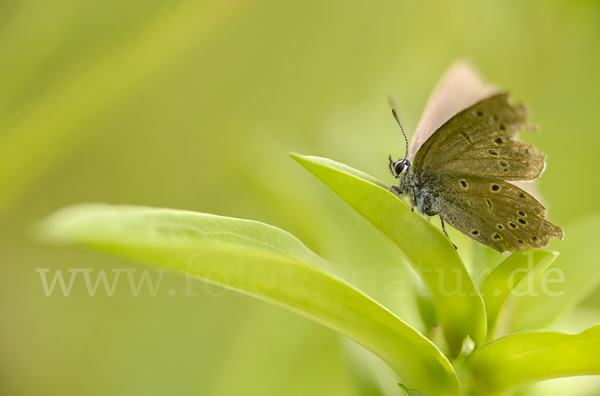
pixel 421 194
pixel 466 171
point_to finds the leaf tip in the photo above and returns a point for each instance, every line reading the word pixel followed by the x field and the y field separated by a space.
pixel 64 226
pixel 297 156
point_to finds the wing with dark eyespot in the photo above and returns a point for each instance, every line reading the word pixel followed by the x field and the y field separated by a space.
pixel 493 212
pixel 482 140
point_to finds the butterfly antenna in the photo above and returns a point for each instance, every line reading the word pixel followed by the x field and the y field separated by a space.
pixel 402 129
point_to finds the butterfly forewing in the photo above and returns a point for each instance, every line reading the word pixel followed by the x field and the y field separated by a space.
pixel 482 140
pixel 460 87
pixel 500 158
pixel 493 212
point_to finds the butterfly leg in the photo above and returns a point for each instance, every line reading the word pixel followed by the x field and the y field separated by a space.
pixel 413 199
pixel 446 232
pixel 395 189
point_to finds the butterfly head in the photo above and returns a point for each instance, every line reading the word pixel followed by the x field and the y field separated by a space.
pixel 400 167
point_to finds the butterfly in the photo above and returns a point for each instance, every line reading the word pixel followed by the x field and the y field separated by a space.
pixel 466 165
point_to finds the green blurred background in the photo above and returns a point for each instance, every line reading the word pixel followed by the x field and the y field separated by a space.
pixel 195 105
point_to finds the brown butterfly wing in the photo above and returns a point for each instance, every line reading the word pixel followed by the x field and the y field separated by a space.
pixel 493 212
pixel 482 140
pixel 459 88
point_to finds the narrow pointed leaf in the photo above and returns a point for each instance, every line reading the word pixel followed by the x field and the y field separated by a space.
pixel 410 392
pixel 458 305
pixel 501 282
pixel 534 356
pixel 262 261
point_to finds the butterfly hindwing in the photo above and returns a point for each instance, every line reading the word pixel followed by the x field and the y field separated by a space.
pixel 482 140
pixel 493 212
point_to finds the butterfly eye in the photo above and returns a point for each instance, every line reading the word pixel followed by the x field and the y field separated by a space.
pixel 399 167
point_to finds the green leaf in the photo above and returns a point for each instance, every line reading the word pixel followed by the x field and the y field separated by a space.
pixel 575 275
pixel 458 305
pixel 501 282
pixel 262 261
pixel 467 349
pixel 534 356
pixel 410 392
